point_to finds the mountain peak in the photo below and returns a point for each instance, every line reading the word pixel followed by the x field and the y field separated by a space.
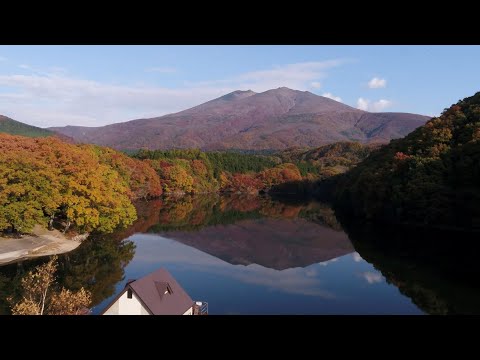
pixel 270 120
pixel 283 89
pixel 237 95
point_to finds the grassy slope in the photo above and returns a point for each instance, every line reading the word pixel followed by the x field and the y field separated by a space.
pixel 13 127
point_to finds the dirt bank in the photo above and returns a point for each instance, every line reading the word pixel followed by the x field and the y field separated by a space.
pixel 40 242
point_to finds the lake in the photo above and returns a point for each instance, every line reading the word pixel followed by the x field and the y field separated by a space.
pixel 258 255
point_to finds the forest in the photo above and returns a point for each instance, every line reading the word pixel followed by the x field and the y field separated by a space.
pixel 430 177
pixel 87 188
pixel 195 171
pixel 47 181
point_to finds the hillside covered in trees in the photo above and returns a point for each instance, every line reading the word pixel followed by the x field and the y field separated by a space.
pixel 10 126
pixel 195 171
pixel 430 177
pixel 328 160
pixel 45 180
pixel 53 183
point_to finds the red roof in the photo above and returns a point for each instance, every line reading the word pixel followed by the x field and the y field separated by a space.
pixel 161 294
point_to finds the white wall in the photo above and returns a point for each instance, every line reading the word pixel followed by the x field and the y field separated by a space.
pixel 189 311
pixel 126 306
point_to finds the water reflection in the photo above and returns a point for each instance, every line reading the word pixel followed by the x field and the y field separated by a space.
pixel 273 243
pixel 97 265
pixel 153 250
pixel 437 270
pixel 334 286
pixel 256 255
pixel 247 229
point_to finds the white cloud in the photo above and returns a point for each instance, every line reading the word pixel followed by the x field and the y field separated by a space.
pixel 357 257
pixel 331 96
pixel 325 263
pixel 362 104
pixel 58 70
pixel 311 272
pixel 55 98
pixel 162 69
pixel 372 277
pixel 367 105
pixel 293 281
pixel 315 84
pixel 296 76
pixel 377 83
pixel 155 249
pixel 2 58
pixel 299 76
pixel 380 105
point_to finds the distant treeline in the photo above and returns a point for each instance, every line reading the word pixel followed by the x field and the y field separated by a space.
pixel 233 162
pixel 194 171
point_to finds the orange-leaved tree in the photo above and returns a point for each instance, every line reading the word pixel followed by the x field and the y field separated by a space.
pixel 142 179
pixel 44 178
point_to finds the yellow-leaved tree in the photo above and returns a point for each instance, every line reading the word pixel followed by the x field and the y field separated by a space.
pixel 40 297
pixel 46 178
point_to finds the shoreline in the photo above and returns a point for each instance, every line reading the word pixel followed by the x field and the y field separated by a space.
pixel 40 242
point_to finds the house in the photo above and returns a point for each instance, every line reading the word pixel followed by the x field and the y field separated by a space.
pixel 157 293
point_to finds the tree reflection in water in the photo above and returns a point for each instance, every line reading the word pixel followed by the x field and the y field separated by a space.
pixel 437 270
pixel 438 274
pixel 97 265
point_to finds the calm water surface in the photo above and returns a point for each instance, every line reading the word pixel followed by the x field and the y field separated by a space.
pixel 243 255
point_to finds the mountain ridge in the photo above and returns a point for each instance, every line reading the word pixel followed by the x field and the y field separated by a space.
pixel 274 119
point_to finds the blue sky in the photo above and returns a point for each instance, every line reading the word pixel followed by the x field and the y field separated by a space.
pixel 99 85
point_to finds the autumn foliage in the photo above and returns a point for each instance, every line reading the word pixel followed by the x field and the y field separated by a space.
pixel 195 171
pixel 430 177
pixel 45 179
pixel 138 175
pixel 242 183
pixel 40 297
pixel 280 174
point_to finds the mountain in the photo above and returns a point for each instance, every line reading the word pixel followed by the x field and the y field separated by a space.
pixel 274 119
pixel 14 127
pixel 430 177
pixel 239 244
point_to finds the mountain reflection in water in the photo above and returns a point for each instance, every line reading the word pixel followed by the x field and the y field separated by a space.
pixel 242 254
